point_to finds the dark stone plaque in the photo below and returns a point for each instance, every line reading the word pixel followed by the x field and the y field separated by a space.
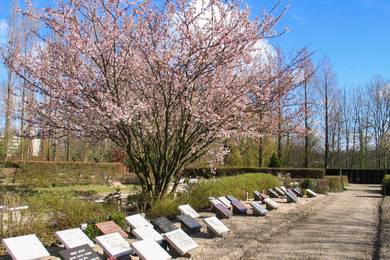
pixel 110 227
pixel 189 224
pixel 238 207
pixel 293 193
pixel 291 197
pixel 257 196
pixel 258 209
pixel 163 225
pixel 231 198
pixel 84 252
pixel 272 193
pixel 298 192
pixel 222 212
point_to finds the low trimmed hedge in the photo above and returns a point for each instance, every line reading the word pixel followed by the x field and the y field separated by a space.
pixel 337 183
pixel 208 172
pixel 386 185
pixel 46 174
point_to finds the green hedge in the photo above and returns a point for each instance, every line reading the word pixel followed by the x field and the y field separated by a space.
pixel 386 185
pixel 46 174
pixel 337 183
pixel 208 172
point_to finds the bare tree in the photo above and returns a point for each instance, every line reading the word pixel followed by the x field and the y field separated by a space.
pixel 326 84
pixel 379 111
pixel 13 38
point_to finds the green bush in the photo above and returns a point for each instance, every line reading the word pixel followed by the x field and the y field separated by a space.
pixel 238 186
pixel 307 184
pixel 52 174
pixel 49 212
pixel 336 183
pixel 386 185
pixel 198 193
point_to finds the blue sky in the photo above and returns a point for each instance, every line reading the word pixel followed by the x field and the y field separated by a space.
pixel 353 34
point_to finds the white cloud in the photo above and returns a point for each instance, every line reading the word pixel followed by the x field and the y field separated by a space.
pixel 3 31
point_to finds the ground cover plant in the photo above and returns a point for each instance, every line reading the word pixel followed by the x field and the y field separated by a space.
pixel 50 211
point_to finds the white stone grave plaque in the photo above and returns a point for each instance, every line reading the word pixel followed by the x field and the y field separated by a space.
pixel 181 180
pixel 114 245
pixel 149 249
pixel 280 191
pixel 310 193
pixel 137 221
pixel 258 209
pixel 146 233
pixel 270 203
pixel 188 210
pixel 283 189
pixel 180 241
pixel 192 180
pixel 71 238
pixel 216 225
pixel 216 202
pixel 26 247
pixel 225 201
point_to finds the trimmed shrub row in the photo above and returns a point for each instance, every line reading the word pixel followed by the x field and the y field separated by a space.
pixel 208 172
pixel 386 185
pixel 46 174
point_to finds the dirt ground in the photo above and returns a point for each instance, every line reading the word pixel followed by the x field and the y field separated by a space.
pixel 345 225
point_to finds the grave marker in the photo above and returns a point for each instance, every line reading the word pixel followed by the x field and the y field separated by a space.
pixel 215 226
pixel 216 202
pixel 149 249
pixel 114 245
pixel 222 212
pixel 137 221
pixel 238 207
pixel 110 227
pixel 163 225
pixel 225 201
pixel 179 242
pixel 258 209
pixel 26 247
pixel 270 204
pixel 83 252
pixel 189 224
pixel 188 210
pixel 272 193
pixel 279 191
pixel 292 192
pixel 283 189
pixel 147 233
pixel 71 238
pixel 298 192
pixel 310 193
pixel 192 180
pixel 291 198
pixel 257 196
pixel 231 198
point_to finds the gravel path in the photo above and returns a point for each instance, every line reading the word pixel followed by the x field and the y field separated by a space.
pixel 337 226
pixel 345 228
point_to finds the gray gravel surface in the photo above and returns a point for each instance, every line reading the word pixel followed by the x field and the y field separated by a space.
pixel 337 226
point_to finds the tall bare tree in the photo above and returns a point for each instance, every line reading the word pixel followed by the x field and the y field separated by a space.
pixel 13 38
pixel 326 84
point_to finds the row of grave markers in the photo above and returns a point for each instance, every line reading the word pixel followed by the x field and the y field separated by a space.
pixel 156 238
pixel 229 205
